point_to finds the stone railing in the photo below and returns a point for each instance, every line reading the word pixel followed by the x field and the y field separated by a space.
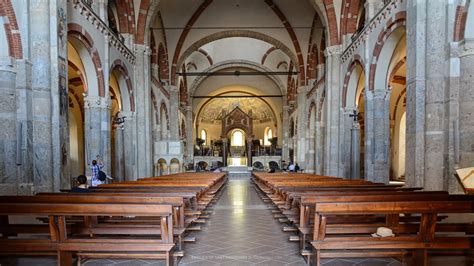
pixel 360 37
pixel 115 40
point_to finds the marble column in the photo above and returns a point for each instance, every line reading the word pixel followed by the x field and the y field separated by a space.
pixel 286 134
pixel 333 110
pixel 143 110
pixel 301 127
pixel 8 134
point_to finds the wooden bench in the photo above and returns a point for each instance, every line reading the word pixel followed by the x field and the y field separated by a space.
pixel 419 242
pixel 65 244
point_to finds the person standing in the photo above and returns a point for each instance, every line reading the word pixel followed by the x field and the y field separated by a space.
pixel 96 167
pixel 291 168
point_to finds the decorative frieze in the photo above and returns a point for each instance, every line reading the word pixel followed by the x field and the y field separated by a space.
pixel 378 21
pixel 110 37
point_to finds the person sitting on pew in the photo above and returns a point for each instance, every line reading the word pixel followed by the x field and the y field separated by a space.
pixel 82 188
pixel 272 170
pixel 297 168
pixel 291 167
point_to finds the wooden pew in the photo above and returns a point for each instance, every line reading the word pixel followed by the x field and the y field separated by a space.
pixel 420 242
pixel 65 244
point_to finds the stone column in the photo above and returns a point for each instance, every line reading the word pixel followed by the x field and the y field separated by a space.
pixel 416 68
pixel 319 136
pixel 249 152
pixel 143 110
pixel 119 154
pixel 129 145
pixel 173 113
pixel 333 109
pixel 41 105
pixel 301 127
pixel 97 130
pixel 466 106
pixel 286 134
pixel 224 151
pixel 436 58
pixel 8 133
pixel 355 150
pixel 378 133
pixel 311 156
pixel 189 133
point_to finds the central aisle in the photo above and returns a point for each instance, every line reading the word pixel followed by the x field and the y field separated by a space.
pixel 241 231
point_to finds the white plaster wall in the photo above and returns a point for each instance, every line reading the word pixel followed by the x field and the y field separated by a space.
pixel 4 50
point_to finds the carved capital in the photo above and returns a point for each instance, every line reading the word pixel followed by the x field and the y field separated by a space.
pixel 333 50
pixel 93 101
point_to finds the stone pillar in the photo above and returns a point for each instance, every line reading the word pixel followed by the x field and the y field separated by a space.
pixel 143 110
pixel 286 134
pixel 301 127
pixel 173 113
pixel 378 133
pixel 224 151
pixel 333 109
pixel 97 130
pixel 41 105
pixel 319 136
pixel 466 106
pixel 320 73
pixel 311 156
pixel 119 154
pixel 436 58
pixel 8 133
pixel 129 145
pixel 416 68
pixel 249 152
pixel 355 150
pixel 189 134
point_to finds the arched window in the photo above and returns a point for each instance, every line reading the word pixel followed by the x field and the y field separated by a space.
pixel 237 138
pixel 267 137
pixel 204 136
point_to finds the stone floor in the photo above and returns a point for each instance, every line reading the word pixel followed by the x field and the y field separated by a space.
pixel 241 231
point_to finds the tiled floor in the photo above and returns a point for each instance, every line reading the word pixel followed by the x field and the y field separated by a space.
pixel 241 231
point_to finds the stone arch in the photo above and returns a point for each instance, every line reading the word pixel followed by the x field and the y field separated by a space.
pixel 174 166
pixel 121 68
pixel 349 16
pixel 12 31
pixel 229 34
pixel 228 64
pixel 162 166
pixel 350 74
pixel 76 32
pixel 125 11
pixel 313 61
pixel 393 26
pixel 146 15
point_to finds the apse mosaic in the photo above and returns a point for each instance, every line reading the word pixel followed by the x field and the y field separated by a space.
pixel 212 111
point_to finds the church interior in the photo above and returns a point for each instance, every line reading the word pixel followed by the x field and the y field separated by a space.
pixel 237 132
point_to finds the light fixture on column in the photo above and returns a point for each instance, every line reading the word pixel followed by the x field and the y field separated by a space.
pixel 119 121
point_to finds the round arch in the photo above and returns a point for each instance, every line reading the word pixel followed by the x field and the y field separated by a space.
pixel 228 34
pixel 80 38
